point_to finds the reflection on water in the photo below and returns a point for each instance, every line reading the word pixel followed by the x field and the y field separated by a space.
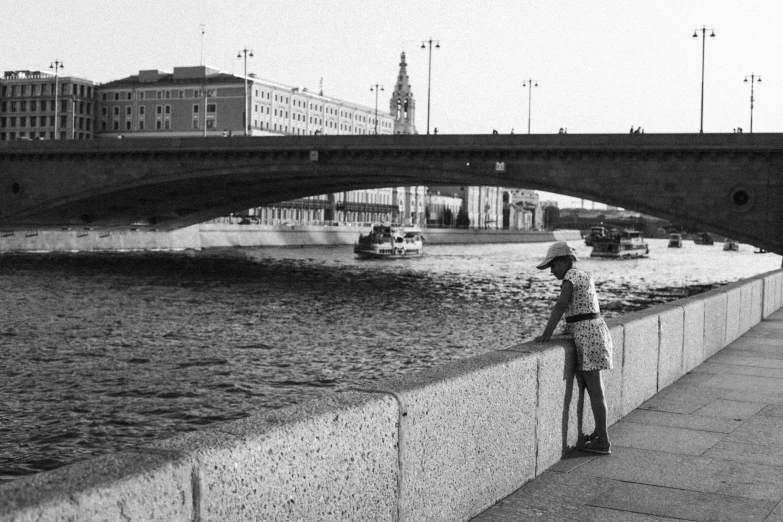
pixel 104 351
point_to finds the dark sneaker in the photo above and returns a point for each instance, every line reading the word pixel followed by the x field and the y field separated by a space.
pixel 594 446
pixel 585 439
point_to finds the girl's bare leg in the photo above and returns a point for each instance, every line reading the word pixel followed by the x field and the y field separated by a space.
pixel 595 388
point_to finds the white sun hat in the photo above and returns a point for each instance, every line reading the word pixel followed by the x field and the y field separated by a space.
pixel 557 249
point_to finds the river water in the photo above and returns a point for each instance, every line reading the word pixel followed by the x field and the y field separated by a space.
pixel 101 352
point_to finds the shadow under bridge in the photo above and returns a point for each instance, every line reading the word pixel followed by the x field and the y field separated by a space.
pixel 730 184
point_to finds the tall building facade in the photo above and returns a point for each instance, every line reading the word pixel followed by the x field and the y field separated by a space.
pixel 40 105
pixel 202 101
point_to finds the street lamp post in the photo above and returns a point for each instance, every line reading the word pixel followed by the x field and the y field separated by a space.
pixel 56 65
pixel 703 47
pixel 246 52
pixel 429 76
pixel 377 88
pixel 529 84
pixel 753 79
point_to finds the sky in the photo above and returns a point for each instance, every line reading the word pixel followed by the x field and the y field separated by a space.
pixel 601 66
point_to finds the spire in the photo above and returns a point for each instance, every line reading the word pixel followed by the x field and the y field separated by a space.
pixel 402 105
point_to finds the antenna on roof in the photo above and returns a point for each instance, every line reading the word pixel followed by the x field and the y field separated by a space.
pixel 321 87
pixel 201 57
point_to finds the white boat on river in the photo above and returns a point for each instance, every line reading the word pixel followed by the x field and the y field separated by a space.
pixel 620 244
pixel 390 241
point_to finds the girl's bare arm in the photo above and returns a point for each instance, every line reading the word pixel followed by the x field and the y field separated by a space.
pixel 557 312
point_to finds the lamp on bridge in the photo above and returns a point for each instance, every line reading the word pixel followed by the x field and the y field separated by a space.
pixel 703 47
pixel 376 88
pixel 56 65
pixel 245 121
pixel 530 84
pixel 429 76
pixel 753 79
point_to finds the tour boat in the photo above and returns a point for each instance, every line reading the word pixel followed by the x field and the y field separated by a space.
pixel 595 232
pixel 702 238
pixel 621 244
pixel 675 240
pixel 390 241
pixel 731 245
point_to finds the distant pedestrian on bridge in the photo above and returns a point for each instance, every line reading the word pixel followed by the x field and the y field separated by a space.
pixel 579 302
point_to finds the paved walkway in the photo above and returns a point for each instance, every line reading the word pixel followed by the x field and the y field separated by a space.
pixel 708 447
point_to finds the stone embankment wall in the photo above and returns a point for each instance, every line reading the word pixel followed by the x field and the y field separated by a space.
pixel 229 235
pixel 442 444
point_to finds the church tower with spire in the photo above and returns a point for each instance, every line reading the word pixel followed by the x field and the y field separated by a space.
pixel 402 105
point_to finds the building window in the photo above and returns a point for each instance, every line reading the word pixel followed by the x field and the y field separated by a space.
pixel 116 96
pixel 140 95
pixel 141 124
pixel 128 111
pixel 211 108
pixel 116 112
pixel 195 109
pixel 127 125
pixel 130 96
pixel 116 125
pixel 141 110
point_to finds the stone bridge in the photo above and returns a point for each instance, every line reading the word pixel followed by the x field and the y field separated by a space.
pixel 730 184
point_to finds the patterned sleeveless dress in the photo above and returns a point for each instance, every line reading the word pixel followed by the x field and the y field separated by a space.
pixel 591 337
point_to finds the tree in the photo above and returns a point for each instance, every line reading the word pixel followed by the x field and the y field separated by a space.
pixel 448 217
pixel 463 221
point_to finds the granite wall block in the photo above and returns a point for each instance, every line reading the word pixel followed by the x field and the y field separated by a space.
pixel 468 434
pixel 129 485
pixel 327 459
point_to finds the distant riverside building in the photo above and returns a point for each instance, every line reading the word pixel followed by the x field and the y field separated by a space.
pixel 523 210
pixel 202 101
pixel 27 106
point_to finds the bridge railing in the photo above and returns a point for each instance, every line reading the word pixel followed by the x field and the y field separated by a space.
pixel 442 444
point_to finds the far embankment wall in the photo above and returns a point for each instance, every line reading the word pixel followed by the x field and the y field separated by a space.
pixel 442 444
pixel 210 235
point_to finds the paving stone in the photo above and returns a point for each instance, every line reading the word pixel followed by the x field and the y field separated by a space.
pixel 550 497
pixel 663 438
pixel 776 515
pixel 775 373
pixel 712 368
pixel 755 344
pixel 682 400
pixel 755 481
pixel 596 514
pixel 751 396
pixel 571 461
pixel 746 383
pixel 772 353
pixel 751 453
pixel 759 430
pixel 738 410
pixel 734 358
pixel 559 497
pixel 773 410
pixel 678 420
pixel 682 504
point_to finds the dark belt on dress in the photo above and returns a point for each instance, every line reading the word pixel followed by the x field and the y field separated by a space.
pixel 583 317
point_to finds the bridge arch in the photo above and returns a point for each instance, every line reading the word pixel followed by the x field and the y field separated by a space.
pixel 730 184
